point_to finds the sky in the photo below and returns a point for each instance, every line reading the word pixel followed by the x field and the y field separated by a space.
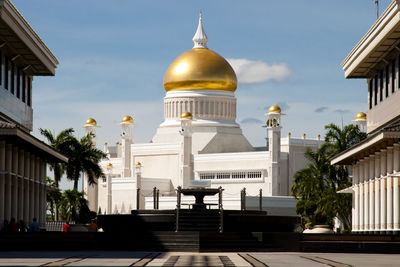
pixel 113 56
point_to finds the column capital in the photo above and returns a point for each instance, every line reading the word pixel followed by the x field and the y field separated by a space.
pixel 377 153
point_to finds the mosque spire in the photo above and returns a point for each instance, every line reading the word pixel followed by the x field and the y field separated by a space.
pixel 200 38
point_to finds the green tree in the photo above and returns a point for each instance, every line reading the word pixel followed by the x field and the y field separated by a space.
pixel 311 186
pixel 74 207
pixel 83 157
pixel 53 195
pixel 317 184
pixel 61 144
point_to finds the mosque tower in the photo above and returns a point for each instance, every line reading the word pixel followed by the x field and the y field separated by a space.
pixel 91 190
pixel 202 83
pixel 273 126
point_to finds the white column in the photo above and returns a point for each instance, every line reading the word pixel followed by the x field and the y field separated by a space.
pixel 396 217
pixel 389 190
pixel 383 203
pixel 361 196
pixel 21 184
pixel 366 195
pixel 376 190
pixel 32 188
pixel 8 200
pixel 2 178
pixel 14 206
pixel 371 192
pixel 356 224
pixel 371 205
pixel 396 193
pixel 26 186
pixel 37 178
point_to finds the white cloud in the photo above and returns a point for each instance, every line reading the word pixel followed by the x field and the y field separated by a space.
pixel 249 71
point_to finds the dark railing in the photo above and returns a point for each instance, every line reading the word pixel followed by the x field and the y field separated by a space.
pixel 243 199
pixel 137 198
pixel 260 199
pixel 221 210
pixel 178 207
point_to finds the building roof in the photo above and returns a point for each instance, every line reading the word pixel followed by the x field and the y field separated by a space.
pixel 380 139
pixel 10 132
pixel 21 41
pixel 374 47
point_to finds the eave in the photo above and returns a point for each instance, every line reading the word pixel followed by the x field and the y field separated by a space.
pixel 374 47
pixel 31 143
pixel 19 37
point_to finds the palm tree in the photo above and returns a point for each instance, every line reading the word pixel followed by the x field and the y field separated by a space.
pixel 83 157
pixel 311 187
pixel 59 143
pixel 338 140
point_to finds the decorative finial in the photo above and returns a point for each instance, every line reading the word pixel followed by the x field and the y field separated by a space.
pixel 200 38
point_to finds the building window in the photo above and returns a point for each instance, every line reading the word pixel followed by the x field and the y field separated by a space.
pixel 12 77
pixel 387 75
pixel 18 83
pixel 23 87
pixel 231 175
pixel 371 82
pixel 381 86
pixel 29 91
pixel 393 75
pixel 376 90
pixel 1 68
pixel 6 66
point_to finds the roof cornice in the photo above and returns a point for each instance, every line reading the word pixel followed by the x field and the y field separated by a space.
pixel 13 18
pixel 375 36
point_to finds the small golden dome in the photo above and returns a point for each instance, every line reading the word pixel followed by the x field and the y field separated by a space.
pixel 186 115
pixel 138 164
pixel 91 121
pixel 200 69
pixel 127 119
pixel 361 116
pixel 109 165
pixel 274 109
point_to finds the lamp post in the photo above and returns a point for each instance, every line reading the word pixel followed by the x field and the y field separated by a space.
pixel 109 189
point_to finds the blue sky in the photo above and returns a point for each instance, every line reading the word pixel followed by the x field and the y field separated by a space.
pixel 113 56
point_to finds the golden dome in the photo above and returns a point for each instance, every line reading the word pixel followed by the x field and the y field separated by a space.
pixel 138 164
pixel 91 121
pixel 200 69
pixel 274 109
pixel 186 115
pixel 109 164
pixel 361 116
pixel 127 119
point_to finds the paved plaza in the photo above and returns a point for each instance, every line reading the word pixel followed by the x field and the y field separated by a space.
pixel 127 258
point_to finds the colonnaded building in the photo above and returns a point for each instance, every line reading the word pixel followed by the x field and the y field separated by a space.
pixel 23 157
pixel 375 161
pixel 199 140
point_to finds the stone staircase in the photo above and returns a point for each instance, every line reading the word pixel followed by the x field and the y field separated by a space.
pixel 199 220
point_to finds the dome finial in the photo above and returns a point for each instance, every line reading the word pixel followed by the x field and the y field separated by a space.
pixel 200 38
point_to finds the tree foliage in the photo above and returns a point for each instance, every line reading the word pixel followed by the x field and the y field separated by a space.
pixel 83 157
pixel 61 143
pixel 317 184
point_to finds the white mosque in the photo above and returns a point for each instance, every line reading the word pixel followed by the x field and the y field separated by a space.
pixel 199 140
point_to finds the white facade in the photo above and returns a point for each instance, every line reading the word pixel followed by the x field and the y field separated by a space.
pixel 375 161
pixel 206 145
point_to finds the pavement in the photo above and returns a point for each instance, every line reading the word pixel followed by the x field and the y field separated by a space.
pixel 128 258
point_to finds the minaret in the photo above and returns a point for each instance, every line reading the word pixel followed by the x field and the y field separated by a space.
pixel 186 165
pixel 273 126
pixel 200 38
pixel 361 121
pixel 127 141
pixel 91 190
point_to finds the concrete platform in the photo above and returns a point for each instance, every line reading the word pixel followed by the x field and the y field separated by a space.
pixel 128 258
